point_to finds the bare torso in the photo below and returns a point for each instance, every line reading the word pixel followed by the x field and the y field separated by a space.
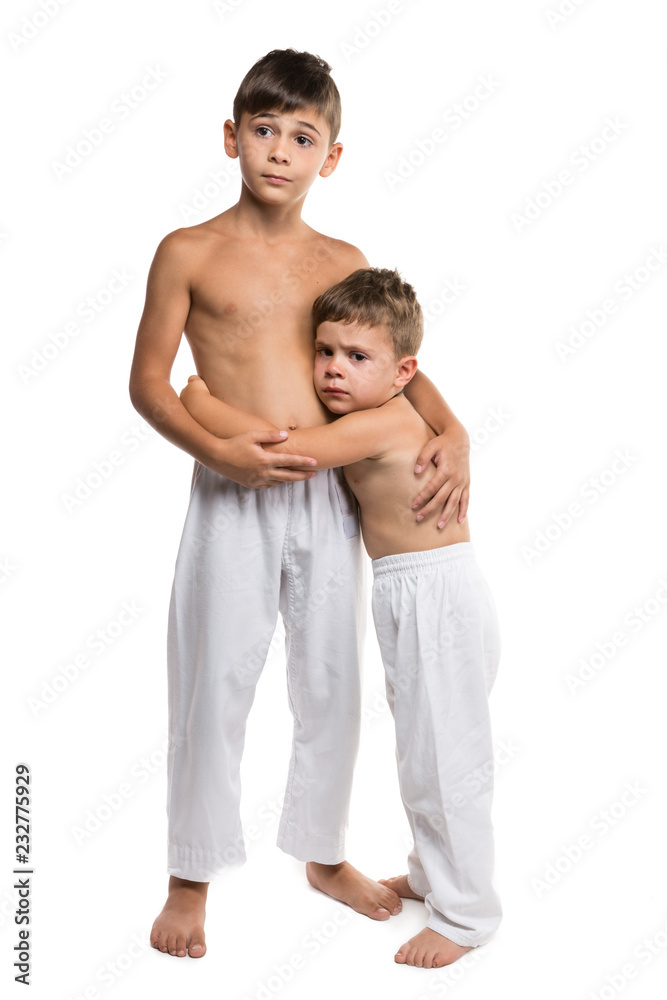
pixel 386 486
pixel 249 326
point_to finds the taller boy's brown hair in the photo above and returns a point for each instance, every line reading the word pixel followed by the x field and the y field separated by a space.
pixel 286 80
pixel 371 296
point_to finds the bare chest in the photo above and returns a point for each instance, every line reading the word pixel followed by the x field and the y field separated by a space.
pixel 241 290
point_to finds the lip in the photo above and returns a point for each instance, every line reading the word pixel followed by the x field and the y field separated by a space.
pixel 335 392
pixel 276 179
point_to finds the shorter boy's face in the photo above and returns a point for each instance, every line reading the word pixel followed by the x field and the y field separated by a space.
pixel 281 154
pixel 356 367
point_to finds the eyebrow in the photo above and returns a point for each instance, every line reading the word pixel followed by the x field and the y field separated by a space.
pixel 270 114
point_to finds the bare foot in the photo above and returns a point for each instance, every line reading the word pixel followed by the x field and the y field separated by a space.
pixel 345 883
pixel 179 929
pixel 400 886
pixel 429 950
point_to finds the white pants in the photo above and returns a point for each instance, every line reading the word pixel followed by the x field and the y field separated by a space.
pixel 246 555
pixel 438 633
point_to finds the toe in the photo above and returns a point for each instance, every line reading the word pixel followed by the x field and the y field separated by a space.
pixel 401 955
pixel 197 947
pixel 180 946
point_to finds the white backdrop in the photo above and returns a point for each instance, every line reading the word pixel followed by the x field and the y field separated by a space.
pixel 510 160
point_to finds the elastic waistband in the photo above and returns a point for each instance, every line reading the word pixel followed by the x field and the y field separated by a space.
pixel 410 561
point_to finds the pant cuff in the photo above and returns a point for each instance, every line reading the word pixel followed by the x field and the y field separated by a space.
pixel 322 850
pixel 198 865
pixel 464 938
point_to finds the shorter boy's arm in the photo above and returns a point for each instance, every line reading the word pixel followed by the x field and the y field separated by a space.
pixel 449 451
pixel 216 416
pixel 350 438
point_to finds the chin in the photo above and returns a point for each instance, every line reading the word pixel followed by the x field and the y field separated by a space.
pixel 337 405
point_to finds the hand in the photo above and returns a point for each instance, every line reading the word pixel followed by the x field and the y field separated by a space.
pixel 245 461
pixel 449 487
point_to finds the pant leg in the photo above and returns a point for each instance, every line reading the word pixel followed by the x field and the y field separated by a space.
pixel 222 615
pixel 438 632
pixel 322 603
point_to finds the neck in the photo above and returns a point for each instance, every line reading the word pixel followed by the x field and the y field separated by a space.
pixel 390 397
pixel 269 221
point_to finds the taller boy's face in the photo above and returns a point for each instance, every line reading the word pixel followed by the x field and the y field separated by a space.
pixel 282 154
pixel 355 366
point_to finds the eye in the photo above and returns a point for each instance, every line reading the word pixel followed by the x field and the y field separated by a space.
pixel 358 356
pixel 262 130
pixel 306 140
pixel 324 351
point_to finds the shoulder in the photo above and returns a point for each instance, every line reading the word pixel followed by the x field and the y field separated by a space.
pixel 184 248
pixel 188 239
pixel 345 256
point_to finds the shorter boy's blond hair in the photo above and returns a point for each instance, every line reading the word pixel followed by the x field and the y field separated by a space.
pixel 371 296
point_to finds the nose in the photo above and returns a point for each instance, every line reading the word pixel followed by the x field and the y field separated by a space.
pixel 333 368
pixel 279 153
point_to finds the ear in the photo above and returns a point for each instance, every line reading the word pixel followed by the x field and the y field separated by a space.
pixel 231 147
pixel 405 370
pixel 331 162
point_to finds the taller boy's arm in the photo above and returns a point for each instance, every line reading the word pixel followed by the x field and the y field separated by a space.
pixel 449 452
pixel 165 313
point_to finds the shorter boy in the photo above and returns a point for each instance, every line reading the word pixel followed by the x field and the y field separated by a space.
pixel 433 611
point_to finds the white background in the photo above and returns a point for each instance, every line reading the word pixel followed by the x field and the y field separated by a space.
pixel 452 218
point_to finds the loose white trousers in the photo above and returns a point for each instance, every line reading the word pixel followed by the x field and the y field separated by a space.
pixel 438 632
pixel 246 556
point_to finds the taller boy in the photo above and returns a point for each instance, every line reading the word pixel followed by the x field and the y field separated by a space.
pixel 241 287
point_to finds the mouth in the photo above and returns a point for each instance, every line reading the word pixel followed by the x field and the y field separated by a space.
pixel 276 179
pixel 332 391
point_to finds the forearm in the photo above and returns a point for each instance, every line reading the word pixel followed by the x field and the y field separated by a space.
pixel 158 403
pixel 432 407
pixel 220 418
